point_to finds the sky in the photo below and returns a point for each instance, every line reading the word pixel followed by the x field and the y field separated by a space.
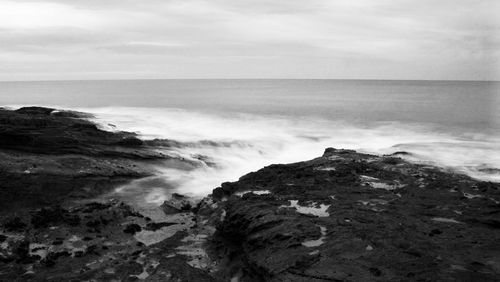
pixel 338 39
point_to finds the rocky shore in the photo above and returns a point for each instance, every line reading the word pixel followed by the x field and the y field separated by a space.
pixel 48 156
pixel 54 226
pixel 344 216
pixel 348 216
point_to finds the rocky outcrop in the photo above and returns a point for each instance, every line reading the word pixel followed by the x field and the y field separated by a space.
pixel 53 166
pixel 344 216
pixel 177 203
pixel 53 132
pixel 348 216
pixel 48 156
pixel 94 241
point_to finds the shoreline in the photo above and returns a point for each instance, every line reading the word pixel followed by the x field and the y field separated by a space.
pixel 343 216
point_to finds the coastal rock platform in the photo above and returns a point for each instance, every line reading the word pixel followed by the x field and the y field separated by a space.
pixel 348 216
pixel 49 156
pixel 55 226
pixel 344 216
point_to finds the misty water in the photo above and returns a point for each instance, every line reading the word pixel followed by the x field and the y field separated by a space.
pixel 254 123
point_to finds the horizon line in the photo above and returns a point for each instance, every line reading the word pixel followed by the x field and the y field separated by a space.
pixel 339 79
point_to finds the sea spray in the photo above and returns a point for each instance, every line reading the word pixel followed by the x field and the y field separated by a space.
pixel 227 146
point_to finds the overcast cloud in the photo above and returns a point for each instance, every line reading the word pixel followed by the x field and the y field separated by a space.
pixel 388 39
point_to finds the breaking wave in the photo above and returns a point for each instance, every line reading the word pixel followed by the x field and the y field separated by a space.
pixel 227 146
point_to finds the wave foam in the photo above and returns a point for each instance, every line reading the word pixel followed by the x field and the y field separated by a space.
pixel 250 142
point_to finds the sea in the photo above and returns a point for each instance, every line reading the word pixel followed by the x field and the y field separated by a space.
pixel 240 126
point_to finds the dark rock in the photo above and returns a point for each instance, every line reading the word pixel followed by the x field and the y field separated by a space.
pixel 21 252
pixel 92 249
pixel 132 228
pixel 14 224
pixel 52 257
pixel 377 217
pixel 177 203
pixel 72 220
pixel 35 111
pixel 47 262
pixel 128 269
pixel 435 232
pixel 493 223
pixel 48 156
pixel 79 254
pixel 130 141
pixel 165 143
pixel 219 193
pixel 47 131
pixel 47 216
pixel 168 209
pixel 176 269
pixel 375 271
pixel 392 160
pixel 91 207
pixel 71 114
pixel 382 218
pixel 93 223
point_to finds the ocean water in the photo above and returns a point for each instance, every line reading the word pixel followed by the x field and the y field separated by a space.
pixel 254 123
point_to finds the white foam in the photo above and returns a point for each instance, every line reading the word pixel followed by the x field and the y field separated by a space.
pixel 252 142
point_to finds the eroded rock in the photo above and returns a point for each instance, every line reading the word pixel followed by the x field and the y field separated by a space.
pixel 348 216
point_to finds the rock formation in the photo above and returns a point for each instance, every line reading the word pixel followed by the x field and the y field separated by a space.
pixel 348 216
pixel 344 216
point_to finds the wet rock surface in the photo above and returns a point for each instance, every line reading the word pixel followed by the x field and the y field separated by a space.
pixel 54 224
pixel 177 203
pixel 50 131
pixel 348 216
pixel 48 156
pixel 95 241
pixel 345 216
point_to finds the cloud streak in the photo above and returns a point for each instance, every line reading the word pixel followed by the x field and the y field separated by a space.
pixel 386 39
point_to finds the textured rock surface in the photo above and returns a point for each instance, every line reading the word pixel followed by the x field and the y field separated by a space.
pixel 345 216
pixel 50 162
pixel 48 156
pixel 96 241
pixel 348 216
pixel 49 131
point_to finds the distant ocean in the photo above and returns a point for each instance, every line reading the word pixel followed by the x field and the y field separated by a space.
pixel 453 124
